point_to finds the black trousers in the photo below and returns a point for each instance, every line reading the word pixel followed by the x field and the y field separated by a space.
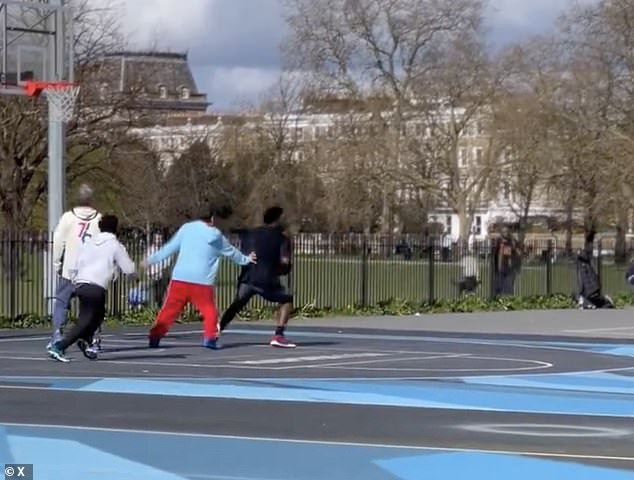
pixel 92 311
pixel 504 284
pixel 275 293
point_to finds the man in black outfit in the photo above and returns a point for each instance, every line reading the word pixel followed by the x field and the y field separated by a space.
pixel 274 252
pixel 98 262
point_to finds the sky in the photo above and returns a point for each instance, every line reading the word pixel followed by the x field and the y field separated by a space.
pixel 233 45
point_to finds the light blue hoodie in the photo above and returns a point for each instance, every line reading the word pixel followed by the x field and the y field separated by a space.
pixel 199 247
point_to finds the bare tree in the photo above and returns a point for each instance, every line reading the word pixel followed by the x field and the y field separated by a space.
pixel 522 138
pixel 601 45
pixel 91 136
pixel 353 48
pixel 349 156
pixel 451 151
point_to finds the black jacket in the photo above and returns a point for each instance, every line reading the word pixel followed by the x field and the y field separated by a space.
pixel 270 244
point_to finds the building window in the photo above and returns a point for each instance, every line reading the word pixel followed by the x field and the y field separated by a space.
pixel 103 91
pixel 185 93
pixel 162 90
pixel 479 156
pixel 478 225
pixel 462 157
pixel 299 133
pixel 448 224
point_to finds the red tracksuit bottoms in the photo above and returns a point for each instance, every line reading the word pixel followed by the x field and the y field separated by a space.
pixel 178 295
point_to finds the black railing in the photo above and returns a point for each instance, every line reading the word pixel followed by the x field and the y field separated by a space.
pixel 335 271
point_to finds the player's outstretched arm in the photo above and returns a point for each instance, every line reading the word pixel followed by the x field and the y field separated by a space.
pixel 235 255
pixel 171 247
pixel 124 262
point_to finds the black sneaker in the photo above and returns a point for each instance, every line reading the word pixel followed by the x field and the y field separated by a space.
pixel 88 350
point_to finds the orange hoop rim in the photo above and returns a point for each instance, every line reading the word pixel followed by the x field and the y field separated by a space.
pixel 33 88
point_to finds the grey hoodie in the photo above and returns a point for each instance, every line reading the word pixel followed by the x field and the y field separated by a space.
pixel 99 260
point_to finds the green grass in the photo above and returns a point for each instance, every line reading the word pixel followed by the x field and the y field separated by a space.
pixel 330 282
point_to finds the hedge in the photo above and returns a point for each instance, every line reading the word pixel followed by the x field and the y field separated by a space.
pixel 393 307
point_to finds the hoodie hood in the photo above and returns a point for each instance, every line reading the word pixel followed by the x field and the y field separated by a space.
pixel 104 237
pixel 85 213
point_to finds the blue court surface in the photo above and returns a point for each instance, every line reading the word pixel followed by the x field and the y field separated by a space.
pixel 353 404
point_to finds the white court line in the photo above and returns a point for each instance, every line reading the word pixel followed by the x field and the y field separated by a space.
pixel 7 357
pixel 162 376
pixel 123 362
pixel 543 365
pixel 540 366
pixel 382 360
pixel 518 343
pixel 323 442
pixel 48 337
pixel 606 329
pixel 358 349
pixel 311 358
pixel 28 339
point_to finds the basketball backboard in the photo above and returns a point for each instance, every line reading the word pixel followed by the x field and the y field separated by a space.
pixel 35 43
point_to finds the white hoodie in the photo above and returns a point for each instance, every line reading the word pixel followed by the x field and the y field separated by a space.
pixel 73 229
pixel 99 259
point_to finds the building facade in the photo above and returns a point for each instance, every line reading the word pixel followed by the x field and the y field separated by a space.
pixel 184 121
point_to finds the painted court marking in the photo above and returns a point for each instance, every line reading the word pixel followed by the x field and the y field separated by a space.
pixel 535 453
pixel 325 361
pixel 397 359
pixel 313 358
pixel 548 430
pixel 605 329
pixel 537 365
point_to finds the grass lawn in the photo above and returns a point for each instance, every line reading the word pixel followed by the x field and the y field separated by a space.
pixel 329 282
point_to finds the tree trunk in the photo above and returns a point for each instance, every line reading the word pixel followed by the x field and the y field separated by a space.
pixel 464 224
pixel 620 246
pixel 385 214
pixel 569 224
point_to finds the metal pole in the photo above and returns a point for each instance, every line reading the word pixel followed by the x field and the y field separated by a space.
pixel 56 151
pixel 3 10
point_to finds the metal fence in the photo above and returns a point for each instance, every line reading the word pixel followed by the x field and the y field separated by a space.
pixel 335 271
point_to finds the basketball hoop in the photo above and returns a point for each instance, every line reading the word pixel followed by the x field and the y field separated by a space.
pixel 61 98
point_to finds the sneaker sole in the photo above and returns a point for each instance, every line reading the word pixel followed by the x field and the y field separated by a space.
pixel 280 345
pixel 57 357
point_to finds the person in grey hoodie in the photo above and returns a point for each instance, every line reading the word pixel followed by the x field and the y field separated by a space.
pixel 98 263
pixel 76 227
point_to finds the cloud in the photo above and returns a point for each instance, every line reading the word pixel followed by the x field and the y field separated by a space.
pixel 220 33
pixel 526 17
pixel 234 87
pixel 233 45
pixel 165 22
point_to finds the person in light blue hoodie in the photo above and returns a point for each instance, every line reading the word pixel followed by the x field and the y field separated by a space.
pixel 199 245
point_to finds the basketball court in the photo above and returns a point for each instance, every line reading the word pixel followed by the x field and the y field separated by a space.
pixel 347 403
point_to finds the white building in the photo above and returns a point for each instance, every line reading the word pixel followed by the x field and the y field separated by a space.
pixel 175 136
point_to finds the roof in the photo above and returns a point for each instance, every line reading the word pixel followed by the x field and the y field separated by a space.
pixel 150 74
